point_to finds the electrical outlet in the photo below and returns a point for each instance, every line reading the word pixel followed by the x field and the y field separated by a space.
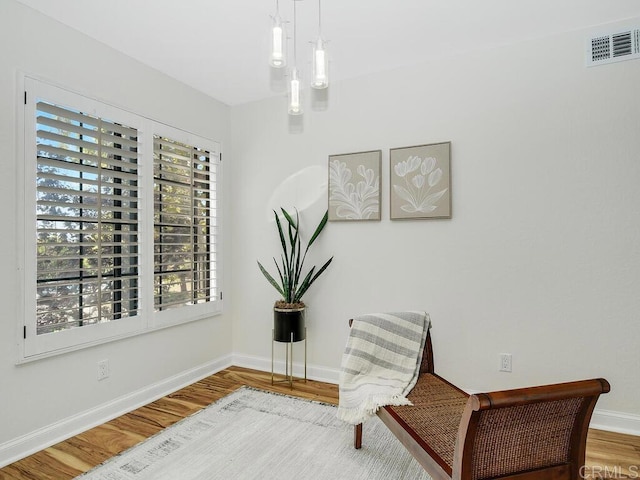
pixel 103 369
pixel 505 362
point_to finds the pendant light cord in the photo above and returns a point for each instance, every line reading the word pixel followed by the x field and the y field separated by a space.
pixel 295 57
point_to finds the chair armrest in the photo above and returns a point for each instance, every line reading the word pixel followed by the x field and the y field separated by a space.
pixel 523 430
pixel 545 393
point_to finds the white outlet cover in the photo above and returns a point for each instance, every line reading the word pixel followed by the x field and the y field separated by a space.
pixel 505 362
pixel 103 369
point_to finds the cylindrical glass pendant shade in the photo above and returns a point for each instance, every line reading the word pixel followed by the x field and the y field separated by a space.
pixel 277 57
pixel 320 65
pixel 295 93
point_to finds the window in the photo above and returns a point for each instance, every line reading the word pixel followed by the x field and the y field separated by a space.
pixel 184 228
pixel 120 223
pixel 86 219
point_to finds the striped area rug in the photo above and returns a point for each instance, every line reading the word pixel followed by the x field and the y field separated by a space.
pixel 252 434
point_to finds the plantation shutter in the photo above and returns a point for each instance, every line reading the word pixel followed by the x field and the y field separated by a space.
pixel 87 219
pixel 185 216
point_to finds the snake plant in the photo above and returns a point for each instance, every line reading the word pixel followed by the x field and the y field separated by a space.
pixel 293 284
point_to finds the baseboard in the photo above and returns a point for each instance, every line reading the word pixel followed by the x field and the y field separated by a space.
pixel 50 435
pixel 616 422
pixel 314 372
pixel 45 437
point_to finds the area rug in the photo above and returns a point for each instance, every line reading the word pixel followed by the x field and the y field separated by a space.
pixel 251 434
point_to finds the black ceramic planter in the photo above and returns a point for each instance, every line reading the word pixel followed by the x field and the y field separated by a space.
pixel 286 322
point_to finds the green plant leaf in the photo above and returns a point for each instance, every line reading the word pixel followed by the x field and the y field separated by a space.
pixel 322 269
pixel 279 273
pixel 271 279
pixel 289 218
pixel 304 286
pixel 309 280
pixel 286 279
pixel 319 228
pixel 299 263
pixel 295 265
pixel 293 256
pixel 291 226
pixel 282 239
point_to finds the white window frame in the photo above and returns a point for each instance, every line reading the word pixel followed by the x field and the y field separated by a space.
pixel 174 316
pixel 32 346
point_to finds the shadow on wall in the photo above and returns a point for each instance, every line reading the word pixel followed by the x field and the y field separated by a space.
pixel 299 191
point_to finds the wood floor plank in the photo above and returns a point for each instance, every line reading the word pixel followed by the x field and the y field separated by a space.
pixel 42 466
pixel 65 460
pixel 195 396
pixel 619 453
pixel 100 443
pixel 134 422
pixel 77 454
pixel 69 458
pixel 158 416
pixel 180 406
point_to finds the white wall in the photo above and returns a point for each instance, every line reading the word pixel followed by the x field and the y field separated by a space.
pixel 542 256
pixel 40 394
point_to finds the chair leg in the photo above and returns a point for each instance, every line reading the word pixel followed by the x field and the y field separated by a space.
pixel 357 435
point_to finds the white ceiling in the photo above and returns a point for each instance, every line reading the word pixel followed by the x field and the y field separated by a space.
pixel 220 47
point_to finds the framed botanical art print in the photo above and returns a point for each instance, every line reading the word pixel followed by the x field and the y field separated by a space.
pixel 420 181
pixel 354 186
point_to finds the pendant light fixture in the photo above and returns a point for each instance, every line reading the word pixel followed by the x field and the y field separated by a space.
pixel 320 60
pixel 277 57
pixel 295 92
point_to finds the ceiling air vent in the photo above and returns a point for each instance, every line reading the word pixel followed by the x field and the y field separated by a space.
pixel 613 47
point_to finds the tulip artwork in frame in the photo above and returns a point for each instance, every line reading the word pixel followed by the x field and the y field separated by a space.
pixel 420 181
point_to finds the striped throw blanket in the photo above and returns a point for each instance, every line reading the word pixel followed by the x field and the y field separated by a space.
pixel 381 363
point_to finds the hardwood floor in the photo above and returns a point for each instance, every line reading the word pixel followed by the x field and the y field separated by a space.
pixel 613 455
pixel 620 454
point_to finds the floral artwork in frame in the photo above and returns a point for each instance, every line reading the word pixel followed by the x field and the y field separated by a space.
pixel 354 186
pixel 420 181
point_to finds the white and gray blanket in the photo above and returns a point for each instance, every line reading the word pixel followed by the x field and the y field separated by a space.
pixel 381 363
